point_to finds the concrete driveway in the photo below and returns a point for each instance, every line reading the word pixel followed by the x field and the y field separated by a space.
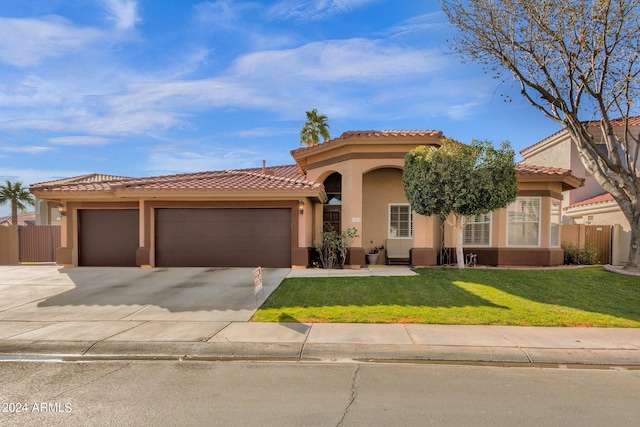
pixel 51 293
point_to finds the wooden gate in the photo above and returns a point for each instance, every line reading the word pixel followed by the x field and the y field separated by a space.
pixel 600 237
pixel 38 243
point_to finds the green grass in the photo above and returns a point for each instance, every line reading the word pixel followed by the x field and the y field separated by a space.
pixel 573 297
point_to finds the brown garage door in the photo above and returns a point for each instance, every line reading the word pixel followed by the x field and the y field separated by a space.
pixel 107 237
pixel 223 237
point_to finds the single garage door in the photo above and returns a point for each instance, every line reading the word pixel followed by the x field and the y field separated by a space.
pixel 223 237
pixel 107 237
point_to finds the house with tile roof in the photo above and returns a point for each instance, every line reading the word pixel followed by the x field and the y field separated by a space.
pixel 24 218
pixel 271 216
pixel 588 205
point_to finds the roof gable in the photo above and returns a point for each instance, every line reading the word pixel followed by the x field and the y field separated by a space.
pixel 360 139
pixel 544 173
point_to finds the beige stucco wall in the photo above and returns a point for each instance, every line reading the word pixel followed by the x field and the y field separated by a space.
pixel 556 154
pixel 380 187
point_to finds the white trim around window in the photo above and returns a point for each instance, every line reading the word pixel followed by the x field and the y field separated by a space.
pixel 400 221
pixel 524 221
pixel 555 221
pixel 477 231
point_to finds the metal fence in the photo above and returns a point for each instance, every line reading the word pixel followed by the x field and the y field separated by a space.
pixel 38 243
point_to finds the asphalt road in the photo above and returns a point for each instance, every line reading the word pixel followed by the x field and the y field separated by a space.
pixel 169 393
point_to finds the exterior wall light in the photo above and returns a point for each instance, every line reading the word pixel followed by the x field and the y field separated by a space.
pixel 63 210
pixel 301 206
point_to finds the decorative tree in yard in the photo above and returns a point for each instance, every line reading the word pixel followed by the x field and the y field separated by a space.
pixel 18 196
pixel 458 181
pixel 577 62
pixel 315 127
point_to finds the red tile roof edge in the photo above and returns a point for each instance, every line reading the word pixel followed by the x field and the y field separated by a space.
pixel 281 177
pixel 527 169
pixel 90 178
pixel 596 200
pixel 374 133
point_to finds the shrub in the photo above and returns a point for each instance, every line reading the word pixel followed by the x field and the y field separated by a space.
pixel 334 247
pixel 587 255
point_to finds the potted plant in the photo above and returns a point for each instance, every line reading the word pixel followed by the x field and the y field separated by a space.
pixel 372 256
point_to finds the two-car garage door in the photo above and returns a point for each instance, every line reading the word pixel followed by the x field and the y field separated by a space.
pixel 184 237
pixel 223 237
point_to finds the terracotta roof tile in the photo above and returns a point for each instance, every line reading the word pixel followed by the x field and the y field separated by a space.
pixel 389 133
pixel 600 198
pixel 633 121
pixel 271 178
pixel 375 133
pixel 220 180
pixel 525 169
pixel 88 178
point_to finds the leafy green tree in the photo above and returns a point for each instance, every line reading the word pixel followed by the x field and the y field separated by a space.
pixel 315 127
pixel 578 63
pixel 458 181
pixel 18 196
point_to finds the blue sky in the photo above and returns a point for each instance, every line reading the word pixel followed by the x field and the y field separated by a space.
pixel 150 87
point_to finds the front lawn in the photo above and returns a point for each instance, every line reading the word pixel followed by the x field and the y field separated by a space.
pixel 572 297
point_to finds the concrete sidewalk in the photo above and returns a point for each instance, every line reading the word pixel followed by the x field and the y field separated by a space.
pixel 43 314
pixel 319 341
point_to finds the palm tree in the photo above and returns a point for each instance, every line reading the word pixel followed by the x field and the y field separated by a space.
pixel 315 127
pixel 18 196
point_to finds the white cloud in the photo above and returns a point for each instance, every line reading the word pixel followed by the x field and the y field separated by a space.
pixel 340 60
pixel 123 12
pixel 341 75
pixel 426 22
pixel 91 141
pixel 27 42
pixel 30 149
pixel 263 132
pixel 211 160
pixel 224 14
pixel 313 10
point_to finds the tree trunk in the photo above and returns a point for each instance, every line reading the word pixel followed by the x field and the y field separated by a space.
pixel 459 243
pixel 458 222
pixel 634 244
pixel 14 213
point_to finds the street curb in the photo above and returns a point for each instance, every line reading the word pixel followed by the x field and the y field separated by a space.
pixel 415 352
pixel 616 357
pixel 125 350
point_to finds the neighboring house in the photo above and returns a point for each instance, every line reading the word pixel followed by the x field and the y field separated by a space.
pixel 272 216
pixel 24 218
pixel 589 204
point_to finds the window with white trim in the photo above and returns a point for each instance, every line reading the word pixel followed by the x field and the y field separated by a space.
pixel 400 221
pixel 523 222
pixel 556 219
pixel 477 231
